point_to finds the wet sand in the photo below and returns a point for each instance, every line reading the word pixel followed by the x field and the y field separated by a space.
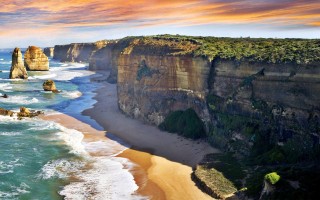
pixel 164 161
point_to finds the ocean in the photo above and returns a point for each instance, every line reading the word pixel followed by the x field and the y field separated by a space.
pixel 41 159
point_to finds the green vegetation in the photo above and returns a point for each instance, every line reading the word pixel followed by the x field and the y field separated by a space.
pixel 228 165
pixel 258 141
pixel 144 71
pixel 272 177
pixel 215 180
pixel 186 123
pixel 299 51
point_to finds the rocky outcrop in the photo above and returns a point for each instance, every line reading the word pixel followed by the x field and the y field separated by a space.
pixel 287 89
pixel 24 112
pixel 5 112
pixel 49 85
pixel 77 52
pixel 153 81
pixel 49 51
pixel 106 58
pixel 35 59
pixel 17 67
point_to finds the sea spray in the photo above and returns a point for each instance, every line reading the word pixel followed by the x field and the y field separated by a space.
pixel 42 159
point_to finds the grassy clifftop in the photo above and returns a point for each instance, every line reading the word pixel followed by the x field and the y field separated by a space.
pixel 298 51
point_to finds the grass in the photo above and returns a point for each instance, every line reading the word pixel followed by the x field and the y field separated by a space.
pixel 216 181
pixel 272 177
pixel 298 51
pixel 228 165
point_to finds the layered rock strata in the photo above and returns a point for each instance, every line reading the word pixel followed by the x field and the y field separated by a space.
pixel 17 67
pixel 35 59
pixel 49 51
pixel 76 52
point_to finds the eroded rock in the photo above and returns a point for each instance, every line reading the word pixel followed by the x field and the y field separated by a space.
pixel 25 112
pixel 49 85
pixel 17 68
pixel 35 59
pixel 5 112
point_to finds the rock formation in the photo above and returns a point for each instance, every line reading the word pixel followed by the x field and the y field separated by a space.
pixel 17 68
pixel 24 112
pixel 5 112
pixel 259 98
pixel 77 52
pixel 35 59
pixel 49 51
pixel 49 85
pixel 152 81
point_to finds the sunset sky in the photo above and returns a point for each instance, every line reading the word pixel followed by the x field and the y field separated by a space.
pixel 49 22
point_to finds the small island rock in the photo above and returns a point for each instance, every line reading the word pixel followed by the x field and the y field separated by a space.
pixel 49 85
pixel 17 68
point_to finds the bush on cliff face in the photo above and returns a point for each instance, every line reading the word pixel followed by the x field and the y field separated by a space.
pixel 272 177
pixel 186 123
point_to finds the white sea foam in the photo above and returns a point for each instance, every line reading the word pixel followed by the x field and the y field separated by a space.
pixel 73 139
pixel 17 99
pixel 16 191
pixel 8 167
pixel 60 168
pixel 106 180
pixel 109 148
pixel 71 95
pixel 107 177
pixel 6 87
pixel 44 76
pixel 69 71
pixel 10 133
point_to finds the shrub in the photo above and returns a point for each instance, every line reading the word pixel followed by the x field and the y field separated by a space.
pixel 186 123
pixel 272 177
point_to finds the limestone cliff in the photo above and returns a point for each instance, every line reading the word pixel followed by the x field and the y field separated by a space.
pixel 17 68
pixel 49 51
pixel 35 59
pixel 153 79
pixel 289 90
pixel 259 98
pixel 76 52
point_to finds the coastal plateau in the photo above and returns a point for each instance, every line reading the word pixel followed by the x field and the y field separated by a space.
pixel 255 99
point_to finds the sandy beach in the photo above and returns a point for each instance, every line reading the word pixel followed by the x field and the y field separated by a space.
pixel 164 161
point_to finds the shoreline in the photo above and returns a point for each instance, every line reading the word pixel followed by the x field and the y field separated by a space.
pixel 167 159
pixel 142 136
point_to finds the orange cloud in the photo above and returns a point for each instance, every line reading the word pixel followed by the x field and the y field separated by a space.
pixel 62 15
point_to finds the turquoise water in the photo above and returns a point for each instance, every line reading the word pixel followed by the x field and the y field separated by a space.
pixel 34 162
pixel 37 157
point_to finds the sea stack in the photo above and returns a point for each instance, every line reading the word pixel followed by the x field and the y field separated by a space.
pixel 49 51
pixel 17 68
pixel 49 85
pixel 35 59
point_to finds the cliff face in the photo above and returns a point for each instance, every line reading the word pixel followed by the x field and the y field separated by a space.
pixel 17 68
pixel 149 87
pixel 35 59
pixel 289 90
pixel 76 52
pixel 153 81
pixel 49 51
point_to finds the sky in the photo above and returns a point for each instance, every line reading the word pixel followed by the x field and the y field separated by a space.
pixel 48 22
